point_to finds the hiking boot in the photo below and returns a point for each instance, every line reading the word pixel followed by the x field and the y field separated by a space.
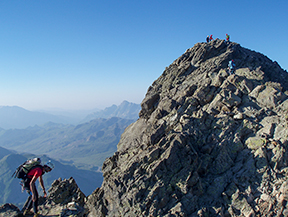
pixel 27 212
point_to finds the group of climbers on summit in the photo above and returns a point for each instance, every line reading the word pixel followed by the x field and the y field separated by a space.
pixel 210 38
pixel 231 64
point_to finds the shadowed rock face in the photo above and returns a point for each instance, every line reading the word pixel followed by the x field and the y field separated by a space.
pixel 206 142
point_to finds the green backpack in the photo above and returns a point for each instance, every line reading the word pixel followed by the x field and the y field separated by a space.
pixel 22 171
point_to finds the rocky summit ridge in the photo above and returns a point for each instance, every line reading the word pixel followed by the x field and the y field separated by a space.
pixel 206 143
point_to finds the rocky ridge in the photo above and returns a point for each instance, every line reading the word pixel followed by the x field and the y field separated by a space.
pixel 206 144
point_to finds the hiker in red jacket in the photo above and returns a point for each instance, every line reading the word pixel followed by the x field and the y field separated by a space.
pixel 29 185
pixel 211 38
pixel 227 37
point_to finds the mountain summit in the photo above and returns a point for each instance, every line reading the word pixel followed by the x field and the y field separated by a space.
pixel 206 144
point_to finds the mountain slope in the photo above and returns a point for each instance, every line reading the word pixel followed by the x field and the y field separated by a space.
pixel 4 152
pixel 206 144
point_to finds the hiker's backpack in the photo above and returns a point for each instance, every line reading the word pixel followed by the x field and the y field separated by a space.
pixel 22 171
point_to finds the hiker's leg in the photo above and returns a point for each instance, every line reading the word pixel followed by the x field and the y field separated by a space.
pixel 35 203
pixel 27 203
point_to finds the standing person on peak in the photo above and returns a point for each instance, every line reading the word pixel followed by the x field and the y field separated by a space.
pixel 211 38
pixel 30 186
pixel 207 39
pixel 227 37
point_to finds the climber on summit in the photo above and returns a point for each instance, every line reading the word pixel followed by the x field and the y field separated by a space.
pixel 211 38
pixel 227 37
pixel 29 185
pixel 207 39
pixel 231 66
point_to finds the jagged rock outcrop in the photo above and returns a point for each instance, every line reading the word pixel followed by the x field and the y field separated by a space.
pixel 206 144
pixel 65 199
pixel 10 210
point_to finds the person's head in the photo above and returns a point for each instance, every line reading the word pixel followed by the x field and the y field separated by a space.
pixel 48 166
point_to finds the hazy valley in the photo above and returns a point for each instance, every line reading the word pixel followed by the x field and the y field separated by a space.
pixel 77 150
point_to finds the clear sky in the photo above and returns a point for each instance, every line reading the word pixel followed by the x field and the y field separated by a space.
pixel 85 54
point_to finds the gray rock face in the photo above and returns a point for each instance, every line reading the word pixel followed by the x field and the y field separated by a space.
pixel 206 144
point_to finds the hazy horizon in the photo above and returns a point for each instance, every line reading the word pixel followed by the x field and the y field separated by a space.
pixel 55 109
pixel 82 55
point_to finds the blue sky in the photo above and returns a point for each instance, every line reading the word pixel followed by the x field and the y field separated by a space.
pixel 72 54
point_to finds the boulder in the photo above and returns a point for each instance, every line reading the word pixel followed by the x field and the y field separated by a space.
pixel 10 210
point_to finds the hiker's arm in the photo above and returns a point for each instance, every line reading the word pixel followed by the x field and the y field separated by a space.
pixel 42 185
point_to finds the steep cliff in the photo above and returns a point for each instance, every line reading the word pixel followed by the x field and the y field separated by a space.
pixel 206 144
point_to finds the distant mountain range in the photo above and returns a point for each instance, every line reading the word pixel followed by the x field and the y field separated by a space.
pixel 17 117
pixel 87 144
pixel 14 117
pixel 125 110
pixel 11 190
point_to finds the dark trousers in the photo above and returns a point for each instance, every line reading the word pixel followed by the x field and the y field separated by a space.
pixel 29 202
